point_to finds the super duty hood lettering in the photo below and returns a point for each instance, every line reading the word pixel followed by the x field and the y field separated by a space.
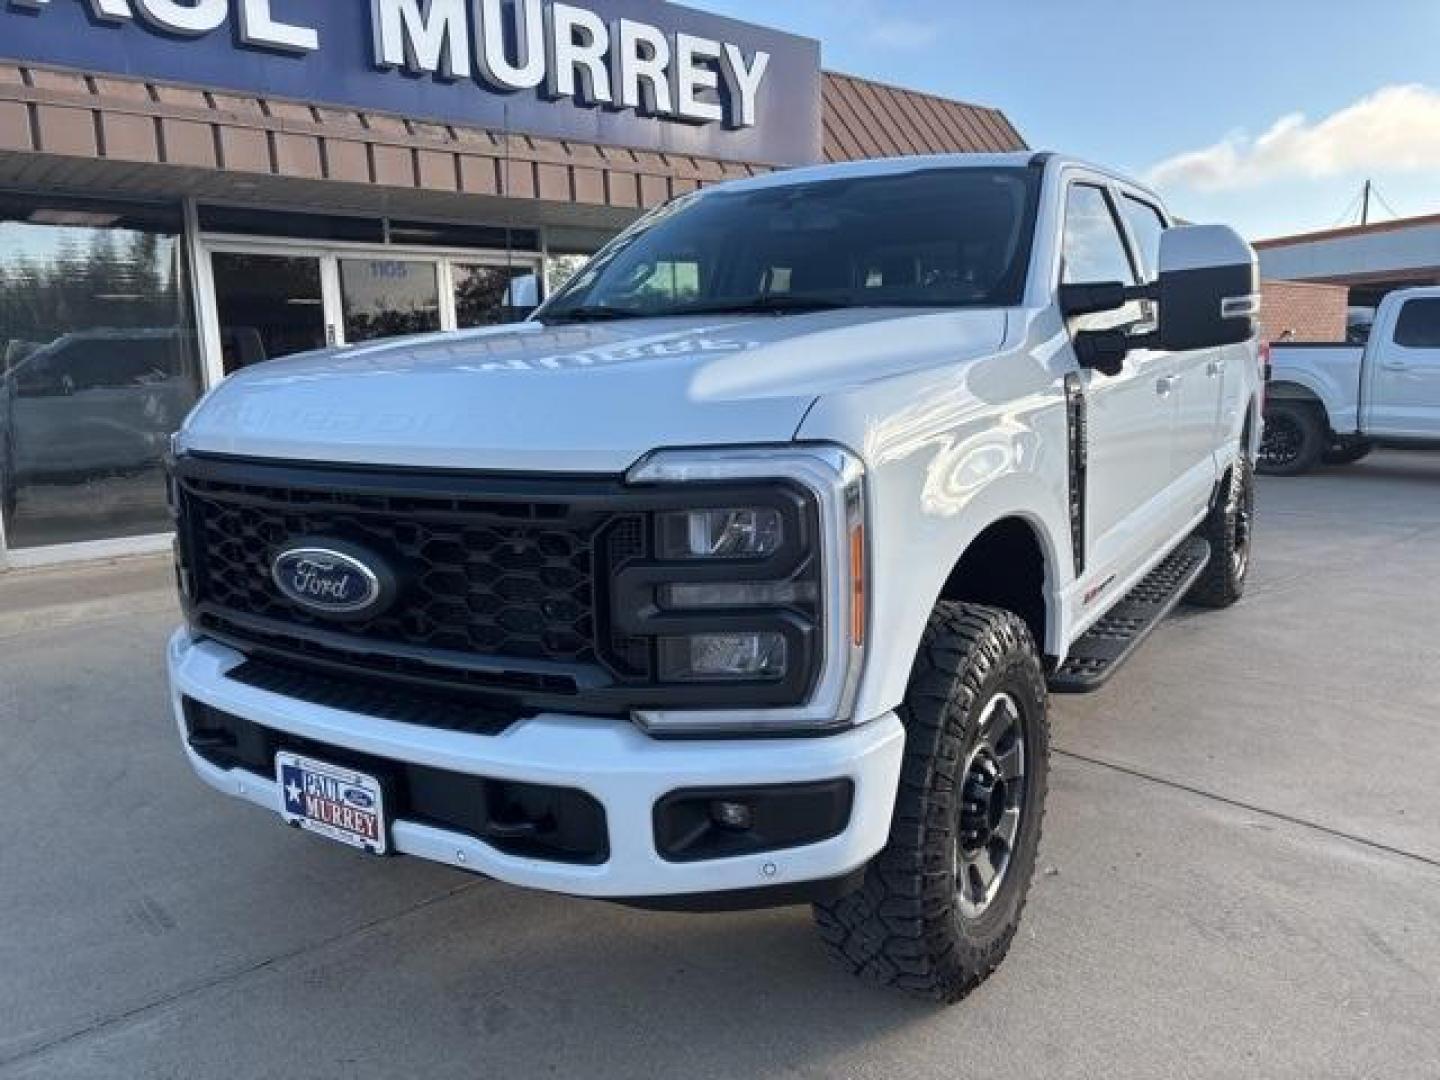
pixel 604 395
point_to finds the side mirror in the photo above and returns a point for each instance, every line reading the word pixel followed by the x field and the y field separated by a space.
pixel 1209 289
pixel 1092 298
pixel 1208 293
pixel 1101 350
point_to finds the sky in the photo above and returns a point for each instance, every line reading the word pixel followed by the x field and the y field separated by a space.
pixel 1268 114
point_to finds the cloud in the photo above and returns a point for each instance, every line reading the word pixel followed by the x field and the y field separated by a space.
pixel 903 35
pixel 1395 129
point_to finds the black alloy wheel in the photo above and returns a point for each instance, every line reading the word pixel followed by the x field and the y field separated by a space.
pixel 1294 439
pixel 992 807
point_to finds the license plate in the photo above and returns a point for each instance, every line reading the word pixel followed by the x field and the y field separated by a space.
pixel 332 801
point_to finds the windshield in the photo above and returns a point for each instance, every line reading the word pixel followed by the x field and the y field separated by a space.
pixel 956 237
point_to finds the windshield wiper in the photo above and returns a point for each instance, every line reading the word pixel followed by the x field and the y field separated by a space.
pixel 588 313
pixel 774 303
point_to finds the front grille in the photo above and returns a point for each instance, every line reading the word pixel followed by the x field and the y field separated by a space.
pixel 496 585
pixel 518 593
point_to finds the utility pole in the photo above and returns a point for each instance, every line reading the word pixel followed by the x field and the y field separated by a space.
pixel 1365 208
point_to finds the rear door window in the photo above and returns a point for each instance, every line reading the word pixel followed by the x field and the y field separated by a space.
pixel 1146 226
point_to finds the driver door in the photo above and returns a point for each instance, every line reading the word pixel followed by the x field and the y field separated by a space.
pixel 1131 416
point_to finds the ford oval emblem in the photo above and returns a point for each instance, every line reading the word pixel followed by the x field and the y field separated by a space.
pixel 329 581
pixel 359 799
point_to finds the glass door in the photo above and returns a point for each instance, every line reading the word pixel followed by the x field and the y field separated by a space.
pixel 273 299
pixel 382 296
pixel 268 306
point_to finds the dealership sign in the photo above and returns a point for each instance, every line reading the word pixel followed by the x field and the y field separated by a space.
pixel 640 73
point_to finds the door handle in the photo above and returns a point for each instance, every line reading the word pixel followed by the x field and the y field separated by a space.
pixel 1215 368
pixel 1395 365
pixel 1167 385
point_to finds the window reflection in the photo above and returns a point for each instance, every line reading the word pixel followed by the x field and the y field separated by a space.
pixel 98 365
pixel 491 295
pixel 269 305
pixel 388 297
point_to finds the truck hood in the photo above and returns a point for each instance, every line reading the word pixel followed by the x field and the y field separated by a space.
pixel 588 398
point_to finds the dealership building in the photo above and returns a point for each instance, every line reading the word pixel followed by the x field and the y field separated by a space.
pixel 1366 260
pixel 188 187
pixel 1325 286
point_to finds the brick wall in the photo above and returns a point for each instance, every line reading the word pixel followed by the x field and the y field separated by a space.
pixel 1314 312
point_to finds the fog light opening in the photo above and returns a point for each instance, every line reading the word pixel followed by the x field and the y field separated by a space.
pixel 735 816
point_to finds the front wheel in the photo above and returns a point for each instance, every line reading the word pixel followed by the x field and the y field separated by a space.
pixel 941 903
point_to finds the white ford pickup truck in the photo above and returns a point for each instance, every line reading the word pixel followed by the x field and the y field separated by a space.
pixel 737 575
pixel 1336 403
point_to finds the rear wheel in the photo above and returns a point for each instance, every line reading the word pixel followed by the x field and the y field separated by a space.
pixel 1294 439
pixel 1230 528
pixel 941 903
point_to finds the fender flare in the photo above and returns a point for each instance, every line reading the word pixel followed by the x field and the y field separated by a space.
pixel 1018 496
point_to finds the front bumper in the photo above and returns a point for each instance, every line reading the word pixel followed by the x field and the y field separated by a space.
pixel 626 771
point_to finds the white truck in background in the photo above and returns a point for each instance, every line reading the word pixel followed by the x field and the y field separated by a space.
pixel 736 576
pixel 1334 404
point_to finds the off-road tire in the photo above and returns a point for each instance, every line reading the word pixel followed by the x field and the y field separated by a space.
pixel 1230 528
pixel 1295 438
pixel 1348 453
pixel 904 926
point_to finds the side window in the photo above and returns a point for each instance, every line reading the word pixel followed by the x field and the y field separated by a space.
pixel 1146 225
pixel 1419 325
pixel 1093 250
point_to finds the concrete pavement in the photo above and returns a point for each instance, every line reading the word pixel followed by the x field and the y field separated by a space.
pixel 1240 874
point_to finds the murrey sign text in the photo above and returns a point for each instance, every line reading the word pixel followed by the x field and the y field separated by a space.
pixel 562 51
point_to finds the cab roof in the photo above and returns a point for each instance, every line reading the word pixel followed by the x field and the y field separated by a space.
pixel 901 165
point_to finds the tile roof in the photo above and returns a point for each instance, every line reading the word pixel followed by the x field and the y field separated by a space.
pixel 61 115
pixel 867 119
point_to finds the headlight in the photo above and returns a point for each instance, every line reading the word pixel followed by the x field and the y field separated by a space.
pixel 721 534
pixel 754 601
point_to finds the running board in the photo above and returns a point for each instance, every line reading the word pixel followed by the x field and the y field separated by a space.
pixel 1110 642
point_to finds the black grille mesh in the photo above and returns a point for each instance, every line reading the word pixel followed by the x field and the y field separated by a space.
pixel 372 699
pixel 498 580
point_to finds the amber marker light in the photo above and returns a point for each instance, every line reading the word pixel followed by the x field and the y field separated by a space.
pixel 857 585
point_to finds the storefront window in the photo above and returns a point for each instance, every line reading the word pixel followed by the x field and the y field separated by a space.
pixel 490 295
pixel 388 297
pixel 98 365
